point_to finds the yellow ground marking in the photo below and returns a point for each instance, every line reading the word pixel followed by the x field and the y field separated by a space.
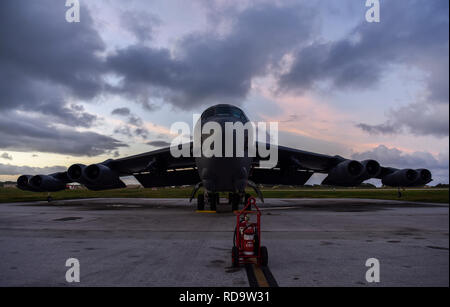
pixel 260 277
pixel 259 274
pixel 205 211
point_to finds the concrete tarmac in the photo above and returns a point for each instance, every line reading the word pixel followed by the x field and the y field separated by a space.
pixel 165 242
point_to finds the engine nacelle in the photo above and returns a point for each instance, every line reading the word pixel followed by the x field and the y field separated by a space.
pixel 23 183
pixel 75 173
pixel 46 183
pixel 401 178
pixel 371 169
pixel 346 173
pixel 424 177
pixel 101 177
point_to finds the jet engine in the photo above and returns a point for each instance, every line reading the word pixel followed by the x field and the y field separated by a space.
pixel 371 169
pixel 75 172
pixel 401 178
pixel 46 183
pixel 423 178
pixel 23 183
pixel 101 177
pixel 95 176
pixel 346 173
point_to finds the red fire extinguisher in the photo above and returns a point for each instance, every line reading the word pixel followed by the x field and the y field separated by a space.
pixel 247 236
pixel 247 232
pixel 249 239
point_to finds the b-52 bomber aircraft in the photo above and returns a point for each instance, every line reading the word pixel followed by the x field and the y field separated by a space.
pixel 218 173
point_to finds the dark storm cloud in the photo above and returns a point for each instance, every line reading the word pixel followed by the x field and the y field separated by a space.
pixel 39 48
pixel 28 133
pixel 207 67
pixel 158 143
pixel 8 169
pixel 121 111
pixel 72 115
pixel 413 33
pixel 44 61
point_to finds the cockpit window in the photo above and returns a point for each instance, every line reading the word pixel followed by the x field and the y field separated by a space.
pixel 208 113
pixel 223 111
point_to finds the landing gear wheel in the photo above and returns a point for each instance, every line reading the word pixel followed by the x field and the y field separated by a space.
pixel 201 202
pixel 256 245
pixel 235 201
pixel 247 196
pixel 264 256
pixel 235 256
pixel 213 201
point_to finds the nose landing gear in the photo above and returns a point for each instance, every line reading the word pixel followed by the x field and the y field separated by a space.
pixel 209 199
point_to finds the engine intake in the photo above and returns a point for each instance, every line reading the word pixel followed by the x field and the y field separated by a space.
pixel 75 172
pixel 101 177
pixel 423 178
pixel 23 183
pixel 371 169
pixel 346 173
pixel 46 183
pixel 401 178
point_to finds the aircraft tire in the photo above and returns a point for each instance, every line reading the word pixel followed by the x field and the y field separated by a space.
pixel 201 202
pixel 264 256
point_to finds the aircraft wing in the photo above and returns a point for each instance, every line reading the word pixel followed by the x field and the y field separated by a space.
pixel 296 166
pixel 152 169
pixel 159 168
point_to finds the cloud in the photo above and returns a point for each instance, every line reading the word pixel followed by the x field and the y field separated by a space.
pixel 6 156
pixel 9 169
pixel 44 58
pixel 121 111
pixel 206 67
pixel 394 157
pixel 124 130
pixel 416 118
pixel 140 23
pixel 415 35
pixel 141 131
pixel 158 143
pixel 385 128
pixel 47 63
pixel 134 121
pixel 28 133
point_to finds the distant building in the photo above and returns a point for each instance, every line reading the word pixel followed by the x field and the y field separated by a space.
pixel 74 186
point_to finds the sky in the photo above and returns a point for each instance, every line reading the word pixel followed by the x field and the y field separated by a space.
pixel 112 84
